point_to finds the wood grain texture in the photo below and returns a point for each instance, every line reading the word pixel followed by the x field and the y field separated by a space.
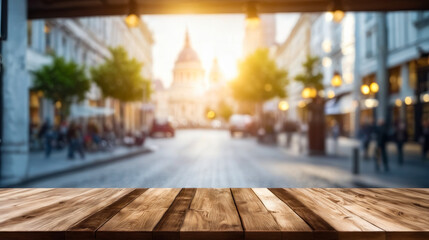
pixel 139 218
pixel 347 224
pixel 61 214
pixel 321 229
pixel 260 213
pixel 256 219
pixel 390 220
pixel 85 229
pixel 212 215
pixel 290 224
pixel 169 226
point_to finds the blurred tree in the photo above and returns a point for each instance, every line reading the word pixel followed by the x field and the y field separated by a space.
pixel 310 77
pixel 225 111
pixel 120 77
pixel 259 79
pixel 62 82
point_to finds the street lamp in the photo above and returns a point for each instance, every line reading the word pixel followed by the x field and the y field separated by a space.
pixel 283 106
pixel 374 87
pixel 252 14
pixel 336 80
pixel 309 92
pixel 132 20
pixel 337 16
pixel 365 89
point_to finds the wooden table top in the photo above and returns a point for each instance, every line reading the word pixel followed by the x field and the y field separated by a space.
pixel 242 213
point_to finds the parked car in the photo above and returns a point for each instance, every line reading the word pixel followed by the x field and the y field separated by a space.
pixel 161 128
pixel 239 123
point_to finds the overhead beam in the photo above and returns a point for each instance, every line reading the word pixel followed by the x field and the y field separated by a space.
pixel 68 9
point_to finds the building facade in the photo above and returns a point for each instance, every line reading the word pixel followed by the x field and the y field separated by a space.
pixel 86 42
pixel 289 56
pixel 186 93
pixel 334 44
pixel 392 50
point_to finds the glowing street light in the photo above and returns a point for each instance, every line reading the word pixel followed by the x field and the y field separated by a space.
pixel 331 94
pixel 408 100
pixel 283 106
pixel 211 114
pixel 309 92
pixel 337 16
pixel 132 20
pixel 336 80
pixel 365 89
pixel 252 14
pixel 374 87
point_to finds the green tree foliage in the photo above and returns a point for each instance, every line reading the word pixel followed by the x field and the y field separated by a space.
pixel 224 110
pixel 62 81
pixel 120 77
pixel 310 77
pixel 259 79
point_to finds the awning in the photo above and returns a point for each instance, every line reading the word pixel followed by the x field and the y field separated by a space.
pixel 80 111
pixel 339 105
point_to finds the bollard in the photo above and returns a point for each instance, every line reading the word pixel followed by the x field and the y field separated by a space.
pixel 355 159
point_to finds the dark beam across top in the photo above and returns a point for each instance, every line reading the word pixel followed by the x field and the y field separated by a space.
pixel 81 8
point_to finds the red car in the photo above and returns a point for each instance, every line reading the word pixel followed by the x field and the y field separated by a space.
pixel 162 128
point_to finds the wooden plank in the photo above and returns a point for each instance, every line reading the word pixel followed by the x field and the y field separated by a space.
pixel 58 217
pixel 291 225
pixel 321 229
pixel 212 215
pixel 392 223
pixel 396 198
pixel 408 214
pixel 24 206
pixel 347 224
pixel 85 229
pixel 138 219
pixel 257 222
pixel 169 226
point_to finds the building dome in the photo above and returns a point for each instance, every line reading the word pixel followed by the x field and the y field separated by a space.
pixel 187 54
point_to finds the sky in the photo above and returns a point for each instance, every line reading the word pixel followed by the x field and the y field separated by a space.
pixel 211 36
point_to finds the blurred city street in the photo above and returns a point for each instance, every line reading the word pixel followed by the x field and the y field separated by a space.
pixel 211 158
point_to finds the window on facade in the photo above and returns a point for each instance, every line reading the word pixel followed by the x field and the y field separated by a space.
pixel 29 33
pixel 48 38
pixel 394 80
pixel 412 75
pixel 369 48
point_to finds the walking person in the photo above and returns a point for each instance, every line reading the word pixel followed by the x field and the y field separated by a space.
pixel 335 133
pixel 47 134
pixel 380 155
pixel 74 137
pixel 400 136
pixel 365 136
pixel 424 139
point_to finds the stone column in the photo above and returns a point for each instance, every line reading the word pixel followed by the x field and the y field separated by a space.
pixel 15 112
pixel 357 81
pixel 381 72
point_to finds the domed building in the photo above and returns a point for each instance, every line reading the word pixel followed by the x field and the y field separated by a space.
pixel 186 107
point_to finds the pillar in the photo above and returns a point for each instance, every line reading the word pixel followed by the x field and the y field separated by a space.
pixel 15 111
pixel 381 72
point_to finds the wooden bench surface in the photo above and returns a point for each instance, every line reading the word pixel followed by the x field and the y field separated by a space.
pixel 241 213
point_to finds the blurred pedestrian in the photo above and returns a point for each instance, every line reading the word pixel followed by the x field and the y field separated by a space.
pixel 74 137
pixel 380 155
pixel 424 139
pixel 62 135
pixel 47 134
pixel 400 136
pixel 335 133
pixel 365 136
pixel 303 130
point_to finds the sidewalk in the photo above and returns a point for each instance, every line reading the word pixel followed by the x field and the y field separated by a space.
pixel 40 167
pixel 413 173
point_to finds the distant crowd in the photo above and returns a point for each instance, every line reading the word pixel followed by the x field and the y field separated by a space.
pixel 81 137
